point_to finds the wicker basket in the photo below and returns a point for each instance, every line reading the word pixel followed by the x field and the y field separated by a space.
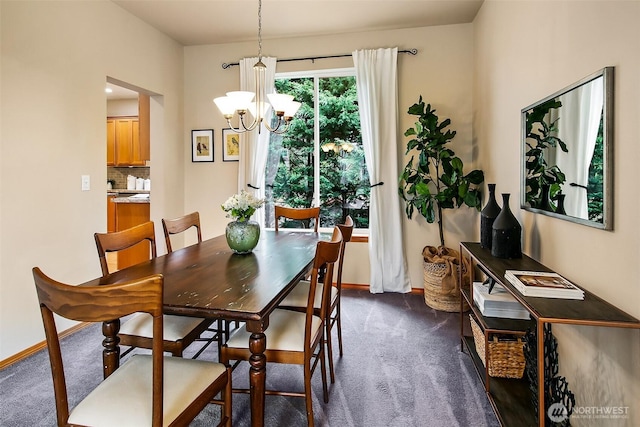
pixel 434 295
pixel 506 357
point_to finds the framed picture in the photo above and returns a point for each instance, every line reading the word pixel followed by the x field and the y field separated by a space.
pixel 202 145
pixel 230 145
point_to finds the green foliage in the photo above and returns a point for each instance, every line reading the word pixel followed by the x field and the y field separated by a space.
pixel 434 177
pixel 541 135
pixel 595 188
pixel 344 182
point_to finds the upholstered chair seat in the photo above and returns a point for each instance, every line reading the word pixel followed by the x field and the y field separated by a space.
pixel 175 329
pixel 285 332
pixel 298 296
pixel 124 398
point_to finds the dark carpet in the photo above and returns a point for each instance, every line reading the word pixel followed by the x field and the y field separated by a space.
pixel 402 367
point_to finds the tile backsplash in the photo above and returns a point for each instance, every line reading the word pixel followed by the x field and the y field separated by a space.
pixel 119 175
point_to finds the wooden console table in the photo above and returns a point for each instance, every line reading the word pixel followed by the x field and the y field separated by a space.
pixel 510 398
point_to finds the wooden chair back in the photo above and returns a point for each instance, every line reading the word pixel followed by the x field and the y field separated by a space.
pixel 347 231
pixel 300 214
pixel 120 240
pixel 179 225
pixel 327 253
pixel 97 304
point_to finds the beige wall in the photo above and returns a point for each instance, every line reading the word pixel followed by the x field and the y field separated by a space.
pixel 56 57
pixel 525 51
pixel 441 72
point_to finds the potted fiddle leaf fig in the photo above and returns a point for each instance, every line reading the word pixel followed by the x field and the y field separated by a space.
pixel 434 180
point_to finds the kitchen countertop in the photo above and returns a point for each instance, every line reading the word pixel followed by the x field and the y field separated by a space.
pixel 123 191
pixel 122 195
pixel 136 198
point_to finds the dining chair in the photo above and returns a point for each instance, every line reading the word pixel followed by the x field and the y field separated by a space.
pixel 297 298
pixel 305 215
pixel 180 225
pixel 179 331
pixel 294 337
pixel 147 390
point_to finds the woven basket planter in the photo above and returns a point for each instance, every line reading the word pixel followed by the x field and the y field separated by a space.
pixel 506 357
pixel 435 295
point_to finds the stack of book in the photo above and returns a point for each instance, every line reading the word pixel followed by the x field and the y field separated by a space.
pixel 498 303
pixel 543 284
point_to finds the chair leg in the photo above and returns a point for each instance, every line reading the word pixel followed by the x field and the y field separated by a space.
pixel 327 341
pixel 222 334
pixel 307 390
pixel 323 371
pixel 339 322
pixel 228 392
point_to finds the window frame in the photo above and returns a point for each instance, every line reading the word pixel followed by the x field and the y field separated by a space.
pixel 316 75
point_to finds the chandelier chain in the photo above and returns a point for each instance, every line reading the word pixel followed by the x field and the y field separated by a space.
pixel 259 30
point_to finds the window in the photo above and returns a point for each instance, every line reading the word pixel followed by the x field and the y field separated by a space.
pixel 320 160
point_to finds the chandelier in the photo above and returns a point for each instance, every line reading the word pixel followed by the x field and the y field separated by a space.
pixel 241 102
pixel 338 146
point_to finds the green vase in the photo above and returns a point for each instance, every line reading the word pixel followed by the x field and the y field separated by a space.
pixel 242 236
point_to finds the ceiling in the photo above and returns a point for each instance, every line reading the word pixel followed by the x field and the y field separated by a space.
pixel 119 92
pixel 199 22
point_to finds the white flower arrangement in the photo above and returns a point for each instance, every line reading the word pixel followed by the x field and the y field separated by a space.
pixel 241 206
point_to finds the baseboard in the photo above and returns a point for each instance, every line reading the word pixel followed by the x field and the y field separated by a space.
pixel 37 347
pixel 361 286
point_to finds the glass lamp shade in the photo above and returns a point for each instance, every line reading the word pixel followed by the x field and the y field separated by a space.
pixel 328 147
pixel 265 109
pixel 225 105
pixel 292 108
pixel 279 101
pixel 241 99
pixel 237 100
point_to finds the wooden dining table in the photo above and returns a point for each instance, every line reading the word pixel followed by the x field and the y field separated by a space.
pixel 208 280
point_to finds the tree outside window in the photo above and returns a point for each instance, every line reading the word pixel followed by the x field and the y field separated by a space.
pixel 320 160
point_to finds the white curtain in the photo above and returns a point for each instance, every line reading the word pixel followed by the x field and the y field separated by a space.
pixel 578 128
pixel 254 145
pixel 376 81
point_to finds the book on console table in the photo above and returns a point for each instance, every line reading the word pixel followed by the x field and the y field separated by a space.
pixel 498 303
pixel 543 284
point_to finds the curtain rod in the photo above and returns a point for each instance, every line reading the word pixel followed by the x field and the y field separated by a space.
pixel 313 58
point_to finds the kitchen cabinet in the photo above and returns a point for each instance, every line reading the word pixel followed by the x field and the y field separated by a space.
pixel 111 214
pixel 144 117
pixel 111 142
pixel 124 145
pixel 128 215
pixel 127 143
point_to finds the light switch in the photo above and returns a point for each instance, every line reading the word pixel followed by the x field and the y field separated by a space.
pixel 86 183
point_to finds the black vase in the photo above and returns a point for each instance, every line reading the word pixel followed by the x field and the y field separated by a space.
pixel 560 207
pixel 506 239
pixel 487 217
pixel 545 205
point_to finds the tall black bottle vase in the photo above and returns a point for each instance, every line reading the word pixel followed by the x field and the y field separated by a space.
pixel 560 208
pixel 506 233
pixel 487 217
pixel 545 204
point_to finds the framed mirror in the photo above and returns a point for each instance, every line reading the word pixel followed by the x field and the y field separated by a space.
pixel 567 146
